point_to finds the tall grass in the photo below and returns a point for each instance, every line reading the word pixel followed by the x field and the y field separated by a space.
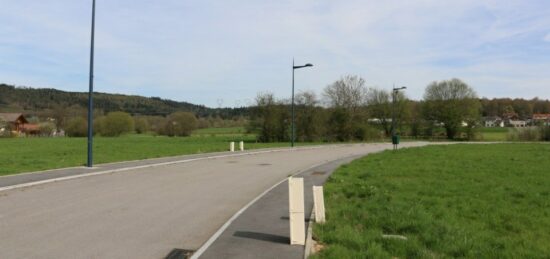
pixel 528 134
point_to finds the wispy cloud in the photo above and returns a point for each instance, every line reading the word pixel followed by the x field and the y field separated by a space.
pixel 208 50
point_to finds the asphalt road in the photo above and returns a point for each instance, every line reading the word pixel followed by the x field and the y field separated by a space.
pixel 147 212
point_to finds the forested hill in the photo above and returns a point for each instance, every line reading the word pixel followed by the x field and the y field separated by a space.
pixel 37 100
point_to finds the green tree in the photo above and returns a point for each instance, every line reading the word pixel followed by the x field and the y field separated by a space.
pixel 451 102
pixel 270 119
pixel 309 122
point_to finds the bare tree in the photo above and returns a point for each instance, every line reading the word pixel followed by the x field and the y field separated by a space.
pixel 380 104
pixel 347 98
pixel 349 92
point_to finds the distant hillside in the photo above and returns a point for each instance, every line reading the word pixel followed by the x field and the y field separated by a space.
pixel 36 100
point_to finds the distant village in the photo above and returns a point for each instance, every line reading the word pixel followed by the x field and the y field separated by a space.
pixel 513 120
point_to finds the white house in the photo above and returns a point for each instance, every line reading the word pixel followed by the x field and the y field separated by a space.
pixel 517 124
pixel 491 122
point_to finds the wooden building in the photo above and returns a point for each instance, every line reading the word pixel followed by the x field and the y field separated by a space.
pixel 14 121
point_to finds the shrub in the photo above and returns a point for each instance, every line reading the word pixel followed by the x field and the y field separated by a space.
pixel 180 124
pixel 141 125
pixel 77 127
pixel 7 132
pixel 545 133
pixel 98 124
pixel 365 133
pixel 47 129
pixel 524 134
pixel 115 124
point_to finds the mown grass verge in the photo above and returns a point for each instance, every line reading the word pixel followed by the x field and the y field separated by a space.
pixel 33 154
pixel 466 201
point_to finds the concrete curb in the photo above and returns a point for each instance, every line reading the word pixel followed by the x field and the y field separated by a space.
pixel 309 235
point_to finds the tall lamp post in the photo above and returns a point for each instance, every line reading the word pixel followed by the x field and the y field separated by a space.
pixel 394 137
pixel 90 93
pixel 293 128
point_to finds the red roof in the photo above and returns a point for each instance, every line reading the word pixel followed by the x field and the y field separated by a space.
pixel 541 116
pixel 30 127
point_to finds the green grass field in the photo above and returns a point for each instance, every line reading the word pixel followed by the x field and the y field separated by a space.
pixel 466 201
pixel 220 131
pixel 32 154
pixel 494 134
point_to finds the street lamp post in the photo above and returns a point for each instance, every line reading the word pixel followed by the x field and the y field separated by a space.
pixel 395 140
pixel 90 93
pixel 293 128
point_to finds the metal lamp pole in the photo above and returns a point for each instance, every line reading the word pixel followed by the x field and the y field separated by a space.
pixel 394 120
pixel 293 125
pixel 90 93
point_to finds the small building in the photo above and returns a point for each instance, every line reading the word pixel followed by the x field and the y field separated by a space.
pixel 495 121
pixel 14 121
pixel 517 123
pixel 541 119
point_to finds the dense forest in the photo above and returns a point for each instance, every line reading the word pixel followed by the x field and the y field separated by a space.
pixel 42 100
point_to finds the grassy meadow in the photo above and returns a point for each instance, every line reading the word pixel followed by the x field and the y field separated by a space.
pixel 449 201
pixel 33 154
pixel 494 134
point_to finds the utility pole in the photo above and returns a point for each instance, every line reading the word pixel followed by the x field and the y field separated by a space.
pixel 90 95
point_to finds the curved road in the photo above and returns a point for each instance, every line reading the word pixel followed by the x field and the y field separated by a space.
pixel 147 212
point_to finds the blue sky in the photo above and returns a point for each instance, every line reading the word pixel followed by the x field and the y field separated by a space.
pixel 206 51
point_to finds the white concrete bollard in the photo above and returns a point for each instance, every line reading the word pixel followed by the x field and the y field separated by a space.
pixel 319 204
pixel 241 145
pixel 232 146
pixel 296 210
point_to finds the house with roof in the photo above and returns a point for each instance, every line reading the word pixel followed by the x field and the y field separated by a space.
pixel 12 121
pixel 493 121
pixel 541 119
pixel 517 123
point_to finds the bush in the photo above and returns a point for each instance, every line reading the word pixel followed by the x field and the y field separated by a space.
pixel 180 124
pixel 115 124
pixel 365 133
pixel 47 129
pixel 545 133
pixel 7 132
pixel 524 134
pixel 77 127
pixel 141 125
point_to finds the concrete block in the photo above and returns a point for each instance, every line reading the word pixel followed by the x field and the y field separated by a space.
pixel 296 210
pixel 319 204
pixel 232 146
pixel 241 145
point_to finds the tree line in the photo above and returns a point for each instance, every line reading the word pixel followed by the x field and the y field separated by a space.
pixel 347 110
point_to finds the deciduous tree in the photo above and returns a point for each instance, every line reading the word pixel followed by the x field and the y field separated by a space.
pixel 451 102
